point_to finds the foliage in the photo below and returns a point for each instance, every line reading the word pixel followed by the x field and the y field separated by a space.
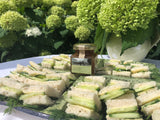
pixel 72 22
pixel 13 21
pixel 34 27
pixel 118 16
pixel 53 21
pixel 82 33
pixel 5 6
pixel 124 18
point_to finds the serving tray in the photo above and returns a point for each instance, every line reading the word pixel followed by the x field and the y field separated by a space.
pixel 5 69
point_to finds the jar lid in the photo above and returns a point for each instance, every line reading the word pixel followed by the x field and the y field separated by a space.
pixel 84 46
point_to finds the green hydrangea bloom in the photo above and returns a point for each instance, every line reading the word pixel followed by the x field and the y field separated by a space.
pixel 74 5
pixel 55 10
pixel 12 20
pixel 5 6
pixel 120 15
pixel 87 11
pixel 22 3
pixel 8 40
pixel 64 3
pixel 53 21
pixel 48 3
pixel 82 33
pixel 72 22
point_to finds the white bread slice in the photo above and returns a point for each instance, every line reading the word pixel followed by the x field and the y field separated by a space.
pixel 62 65
pixel 119 105
pixel 127 62
pixel 47 63
pixel 147 91
pixel 137 64
pixel 58 85
pixel 16 76
pixel 155 114
pixel 86 95
pixel 49 71
pixel 113 82
pixel 113 87
pixel 123 67
pixel 52 92
pixel 82 111
pixel 121 73
pixel 19 68
pixel 84 90
pixel 60 76
pixel 38 100
pixel 139 69
pixel 109 118
pixel 127 96
pixel 150 108
pixel 142 75
pixel 112 62
pixel 144 85
pixel 96 79
pixel 88 85
pixel 35 65
pixel 32 72
pixel 145 98
pixel 11 83
pixel 10 92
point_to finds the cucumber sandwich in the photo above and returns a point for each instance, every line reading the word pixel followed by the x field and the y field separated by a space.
pixel 39 98
pixel 10 87
pixel 47 63
pixel 86 99
pixel 124 107
pixel 126 68
pixel 148 97
pixel 114 90
pixel 96 79
pixel 83 100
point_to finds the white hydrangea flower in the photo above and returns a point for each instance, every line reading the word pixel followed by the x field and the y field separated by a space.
pixel 33 31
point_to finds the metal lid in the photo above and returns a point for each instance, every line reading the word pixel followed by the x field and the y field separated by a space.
pixel 84 46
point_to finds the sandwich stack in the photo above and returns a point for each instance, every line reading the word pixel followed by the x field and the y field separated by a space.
pixel 148 97
pixel 123 108
pixel 114 89
pixel 125 68
pixel 10 87
pixel 38 83
pixel 120 101
pixel 83 99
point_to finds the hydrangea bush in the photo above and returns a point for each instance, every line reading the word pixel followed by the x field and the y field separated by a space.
pixel 36 27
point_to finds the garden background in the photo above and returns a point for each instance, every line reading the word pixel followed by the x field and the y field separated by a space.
pixel 42 27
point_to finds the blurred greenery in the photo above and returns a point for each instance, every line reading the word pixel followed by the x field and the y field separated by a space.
pixel 47 41
pixel 38 39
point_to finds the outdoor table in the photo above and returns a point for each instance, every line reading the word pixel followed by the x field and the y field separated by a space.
pixel 5 69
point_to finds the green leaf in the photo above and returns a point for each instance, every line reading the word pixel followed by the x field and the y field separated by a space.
pixel 3 32
pixel 100 39
pixel 64 32
pixel 38 12
pixel 3 55
pixel 136 37
pixel 58 44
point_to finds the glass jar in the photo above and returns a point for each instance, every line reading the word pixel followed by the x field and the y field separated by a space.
pixel 84 59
